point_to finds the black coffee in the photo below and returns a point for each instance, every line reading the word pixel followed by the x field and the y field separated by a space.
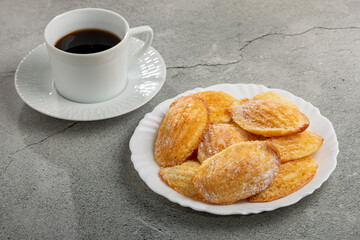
pixel 86 41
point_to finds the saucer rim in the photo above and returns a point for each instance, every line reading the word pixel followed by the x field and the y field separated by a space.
pixel 33 106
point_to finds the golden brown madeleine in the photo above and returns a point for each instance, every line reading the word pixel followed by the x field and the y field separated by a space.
pixel 237 172
pixel 217 102
pixel 248 136
pixel 274 97
pixel 267 118
pixel 180 178
pixel 297 146
pixel 292 176
pixel 218 137
pixel 181 131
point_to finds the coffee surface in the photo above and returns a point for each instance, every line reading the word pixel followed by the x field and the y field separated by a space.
pixel 86 41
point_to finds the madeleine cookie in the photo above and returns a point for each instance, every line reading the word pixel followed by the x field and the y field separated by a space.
pixel 180 178
pixel 218 137
pixel 181 131
pixel 267 118
pixel 277 98
pixel 217 102
pixel 297 146
pixel 248 136
pixel 292 176
pixel 237 172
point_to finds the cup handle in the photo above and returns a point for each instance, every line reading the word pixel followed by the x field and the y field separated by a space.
pixel 149 38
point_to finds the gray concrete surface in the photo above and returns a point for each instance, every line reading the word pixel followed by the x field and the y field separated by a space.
pixel 69 180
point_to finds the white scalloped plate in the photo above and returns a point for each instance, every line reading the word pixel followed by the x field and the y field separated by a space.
pixel 34 84
pixel 143 141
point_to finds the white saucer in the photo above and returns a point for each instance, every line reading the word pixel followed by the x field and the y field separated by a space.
pixel 34 84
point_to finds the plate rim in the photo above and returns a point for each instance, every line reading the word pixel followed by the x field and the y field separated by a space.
pixel 83 118
pixel 211 208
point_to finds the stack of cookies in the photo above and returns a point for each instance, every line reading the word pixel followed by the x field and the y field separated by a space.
pixel 218 149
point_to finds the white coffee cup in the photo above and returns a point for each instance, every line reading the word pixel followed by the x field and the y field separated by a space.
pixel 95 77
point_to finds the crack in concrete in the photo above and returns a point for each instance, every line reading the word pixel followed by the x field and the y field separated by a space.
pixel 149 225
pixel 38 142
pixel 206 65
pixel 6 74
pixel 256 39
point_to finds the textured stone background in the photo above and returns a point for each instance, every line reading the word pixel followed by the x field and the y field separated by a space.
pixel 69 180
